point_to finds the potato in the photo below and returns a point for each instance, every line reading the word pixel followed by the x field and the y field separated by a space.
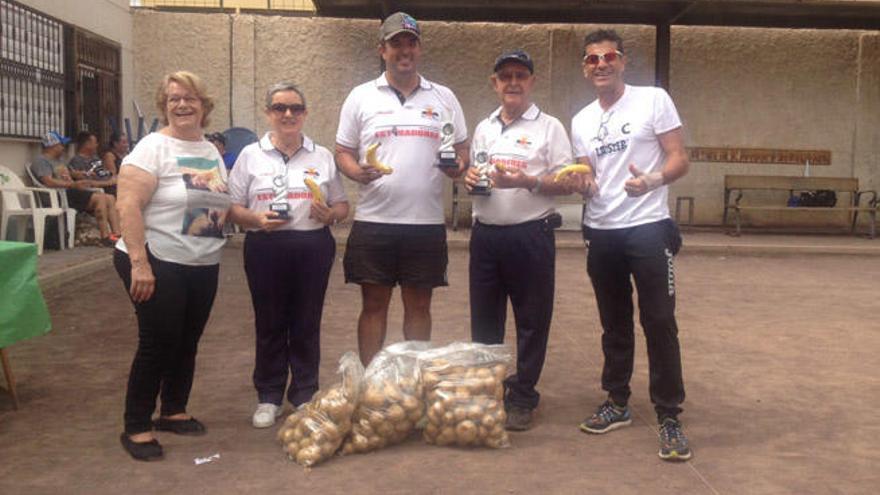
pixel 403 427
pixel 360 443
pixel 347 448
pixel 496 442
pixel 308 456
pixel 482 434
pixel 328 449
pixel 373 398
pixel 462 392
pixel 500 372
pixel 374 442
pixel 376 418
pixel 488 420
pixel 434 416
pixel 446 436
pixel 448 417
pixel 432 430
pixel 332 431
pixel 410 403
pixel 474 412
pixel 395 413
pixel 414 416
pixel 288 435
pixel 430 379
pixel 460 413
pixel 292 448
pixel 497 431
pixel 391 392
pixel 465 432
pixel 385 429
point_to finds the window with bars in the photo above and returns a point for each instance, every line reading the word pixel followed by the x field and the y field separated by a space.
pixel 32 80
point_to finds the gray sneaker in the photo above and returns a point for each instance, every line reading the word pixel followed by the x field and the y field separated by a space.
pixel 518 419
pixel 673 442
pixel 606 418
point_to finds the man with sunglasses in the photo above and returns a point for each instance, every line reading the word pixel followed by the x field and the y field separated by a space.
pixel 512 248
pixel 399 231
pixel 632 136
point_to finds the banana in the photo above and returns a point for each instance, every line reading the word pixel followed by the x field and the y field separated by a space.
pixel 315 188
pixel 578 168
pixel 373 162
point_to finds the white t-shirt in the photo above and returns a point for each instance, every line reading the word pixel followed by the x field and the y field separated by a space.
pixel 250 182
pixel 183 222
pixel 409 134
pixel 612 140
pixel 537 144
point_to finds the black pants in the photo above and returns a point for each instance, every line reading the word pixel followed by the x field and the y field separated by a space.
pixel 645 253
pixel 287 273
pixel 169 327
pixel 518 262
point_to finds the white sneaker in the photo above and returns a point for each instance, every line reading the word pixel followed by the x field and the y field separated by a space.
pixel 265 415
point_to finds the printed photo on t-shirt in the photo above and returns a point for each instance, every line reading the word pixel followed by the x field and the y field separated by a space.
pixel 207 199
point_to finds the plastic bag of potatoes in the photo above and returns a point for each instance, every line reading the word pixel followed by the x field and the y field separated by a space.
pixel 464 394
pixel 391 403
pixel 317 428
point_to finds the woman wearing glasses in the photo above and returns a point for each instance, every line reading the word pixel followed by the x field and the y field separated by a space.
pixel 287 269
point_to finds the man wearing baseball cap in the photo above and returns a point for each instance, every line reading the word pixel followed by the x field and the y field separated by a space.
pixel 52 172
pixel 512 248
pixel 399 232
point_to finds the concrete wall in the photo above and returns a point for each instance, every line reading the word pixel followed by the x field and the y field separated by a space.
pixel 110 19
pixel 774 88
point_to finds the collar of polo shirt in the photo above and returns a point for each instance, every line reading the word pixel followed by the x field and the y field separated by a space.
pixel 266 143
pixel 531 113
pixel 383 81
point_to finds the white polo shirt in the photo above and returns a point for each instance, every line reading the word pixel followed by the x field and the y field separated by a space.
pixel 250 182
pixel 535 143
pixel 409 133
pixel 612 139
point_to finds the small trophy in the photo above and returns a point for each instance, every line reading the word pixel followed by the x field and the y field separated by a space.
pixel 446 153
pixel 483 187
pixel 279 202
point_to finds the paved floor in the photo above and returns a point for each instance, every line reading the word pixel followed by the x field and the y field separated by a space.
pixel 780 367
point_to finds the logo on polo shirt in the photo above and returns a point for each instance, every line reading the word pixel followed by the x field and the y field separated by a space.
pixel 312 171
pixel 429 113
pixel 523 142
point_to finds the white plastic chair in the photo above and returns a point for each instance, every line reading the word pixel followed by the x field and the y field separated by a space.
pixel 20 201
pixel 69 213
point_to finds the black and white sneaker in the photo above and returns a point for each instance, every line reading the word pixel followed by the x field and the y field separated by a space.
pixel 673 442
pixel 606 418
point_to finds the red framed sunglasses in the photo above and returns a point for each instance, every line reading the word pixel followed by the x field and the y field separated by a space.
pixel 593 59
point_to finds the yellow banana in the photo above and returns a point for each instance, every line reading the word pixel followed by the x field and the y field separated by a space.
pixel 373 162
pixel 578 168
pixel 315 188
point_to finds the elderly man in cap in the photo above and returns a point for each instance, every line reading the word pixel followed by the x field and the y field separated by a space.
pixel 403 121
pixel 512 250
pixel 53 173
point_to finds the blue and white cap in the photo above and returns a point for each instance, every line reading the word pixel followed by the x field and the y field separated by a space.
pixel 52 138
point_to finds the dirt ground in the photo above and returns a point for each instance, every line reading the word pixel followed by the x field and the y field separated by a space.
pixel 781 370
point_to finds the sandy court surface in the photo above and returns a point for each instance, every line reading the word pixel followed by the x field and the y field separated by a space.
pixel 780 361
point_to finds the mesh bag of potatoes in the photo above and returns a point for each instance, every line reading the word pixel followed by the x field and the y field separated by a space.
pixel 317 428
pixel 391 404
pixel 464 392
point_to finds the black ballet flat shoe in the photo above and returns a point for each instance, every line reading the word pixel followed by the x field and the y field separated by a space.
pixel 145 451
pixel 190 426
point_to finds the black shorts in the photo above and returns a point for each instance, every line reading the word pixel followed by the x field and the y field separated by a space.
pixel 79 199
pixel 389 254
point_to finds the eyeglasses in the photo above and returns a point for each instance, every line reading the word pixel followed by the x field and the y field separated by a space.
pixel 281 108
pixel 507 76
pixel 177 100
pixel 593 59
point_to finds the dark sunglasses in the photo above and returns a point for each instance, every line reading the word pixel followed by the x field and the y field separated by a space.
pixel 282 109
pixel 593 59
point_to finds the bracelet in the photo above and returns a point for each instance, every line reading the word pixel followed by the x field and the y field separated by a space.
pixel 538 184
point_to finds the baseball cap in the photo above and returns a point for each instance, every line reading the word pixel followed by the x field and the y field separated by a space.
pixel 52 138
pixel 399 22
pixel 518 56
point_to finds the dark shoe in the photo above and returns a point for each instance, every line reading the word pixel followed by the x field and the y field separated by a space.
pixel 146 451
pixel 673 443
pixel 190 426
pixel 607 417
pixel 518 419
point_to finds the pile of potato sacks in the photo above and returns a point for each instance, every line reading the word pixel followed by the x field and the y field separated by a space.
pixel 454 392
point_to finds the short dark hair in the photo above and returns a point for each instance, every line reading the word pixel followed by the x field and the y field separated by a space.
pixel 601 35
pixel 115 138
pixel 82 138
pixel 216 137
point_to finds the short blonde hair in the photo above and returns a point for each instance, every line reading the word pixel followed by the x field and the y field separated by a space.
pixel 191 82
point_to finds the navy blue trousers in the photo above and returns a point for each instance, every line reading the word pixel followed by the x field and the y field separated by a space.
pixel 287 273
pixel 516 262
pixel 645 255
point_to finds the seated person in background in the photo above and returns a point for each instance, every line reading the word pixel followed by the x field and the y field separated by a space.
pixel 115 152
pixel 52 172
pixel 219 141
pixel 86 164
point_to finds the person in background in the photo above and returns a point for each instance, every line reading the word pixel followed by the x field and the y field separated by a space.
pixel 52 172
pixel 87 165
pixel 115 152
pixel 219 140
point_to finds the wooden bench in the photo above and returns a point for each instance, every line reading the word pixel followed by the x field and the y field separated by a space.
pixel 794 185
pixel 460 195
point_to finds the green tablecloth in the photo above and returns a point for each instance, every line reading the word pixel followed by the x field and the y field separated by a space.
pixel 23 313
